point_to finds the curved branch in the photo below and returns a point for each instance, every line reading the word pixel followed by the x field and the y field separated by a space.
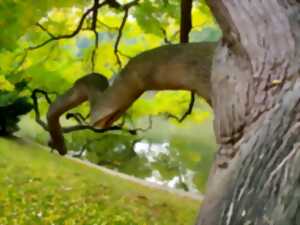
pixel 79 119
pixel 187 112
pixel 36 106
pixel 77 116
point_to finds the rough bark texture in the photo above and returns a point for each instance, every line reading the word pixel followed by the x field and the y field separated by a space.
pixel 256 99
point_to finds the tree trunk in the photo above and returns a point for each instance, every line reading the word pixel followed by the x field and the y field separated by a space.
pixel 255 178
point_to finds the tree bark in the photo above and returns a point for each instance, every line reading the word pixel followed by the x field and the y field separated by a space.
pixel 255 179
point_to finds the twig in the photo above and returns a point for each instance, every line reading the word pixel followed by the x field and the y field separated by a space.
pixel 72 34
pixel 44 29
pixel 116 46
pixel 126 8
pixel 94 29
pixel 188 111
pixel 124 55
pixel 150 122
pixel 93 58
pixel 77 116
pixel 36 106
pixel 164 32
pixel 20 63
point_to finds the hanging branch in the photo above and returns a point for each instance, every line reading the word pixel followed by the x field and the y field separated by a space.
pixel 164 32
pixel 187 113
pixel 185 28
pixel 36 106
pixel 150 122
pixel 126 8
pixel 119 38
pixel 93 58
pixel 72 34
pixel 94 29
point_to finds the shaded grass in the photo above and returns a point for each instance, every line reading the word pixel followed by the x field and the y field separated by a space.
pixel 37 187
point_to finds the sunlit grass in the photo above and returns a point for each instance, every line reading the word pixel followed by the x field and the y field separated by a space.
pixel 37 187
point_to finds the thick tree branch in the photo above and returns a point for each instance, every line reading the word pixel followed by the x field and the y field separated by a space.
pixel 80 126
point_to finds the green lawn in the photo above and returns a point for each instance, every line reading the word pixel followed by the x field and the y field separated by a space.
pixel 37 187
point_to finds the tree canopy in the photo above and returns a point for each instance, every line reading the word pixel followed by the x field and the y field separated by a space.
pixel 50 44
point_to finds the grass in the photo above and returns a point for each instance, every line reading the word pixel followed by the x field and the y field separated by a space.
pixel 37 187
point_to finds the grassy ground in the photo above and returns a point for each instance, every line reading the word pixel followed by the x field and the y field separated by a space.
pixel 37 187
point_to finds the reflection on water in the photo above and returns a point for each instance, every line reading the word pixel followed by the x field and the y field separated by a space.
pixel 152 152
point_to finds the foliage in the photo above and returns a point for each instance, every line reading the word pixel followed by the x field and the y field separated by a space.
pixel 41 188
pixel 12 106
pixel 55 66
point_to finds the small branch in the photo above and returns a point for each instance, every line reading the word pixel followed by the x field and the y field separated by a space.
pixel 44 29
pixel 126 8
pixel 93 58
pixel 20 63
pixel 166 40
pixel 119 38
pixel 88 127
pixel 77 116
pixel 188 111
pixel 36 106
pixel 124 55
pixel 94 29
pixel 150 123
pixel 72 34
